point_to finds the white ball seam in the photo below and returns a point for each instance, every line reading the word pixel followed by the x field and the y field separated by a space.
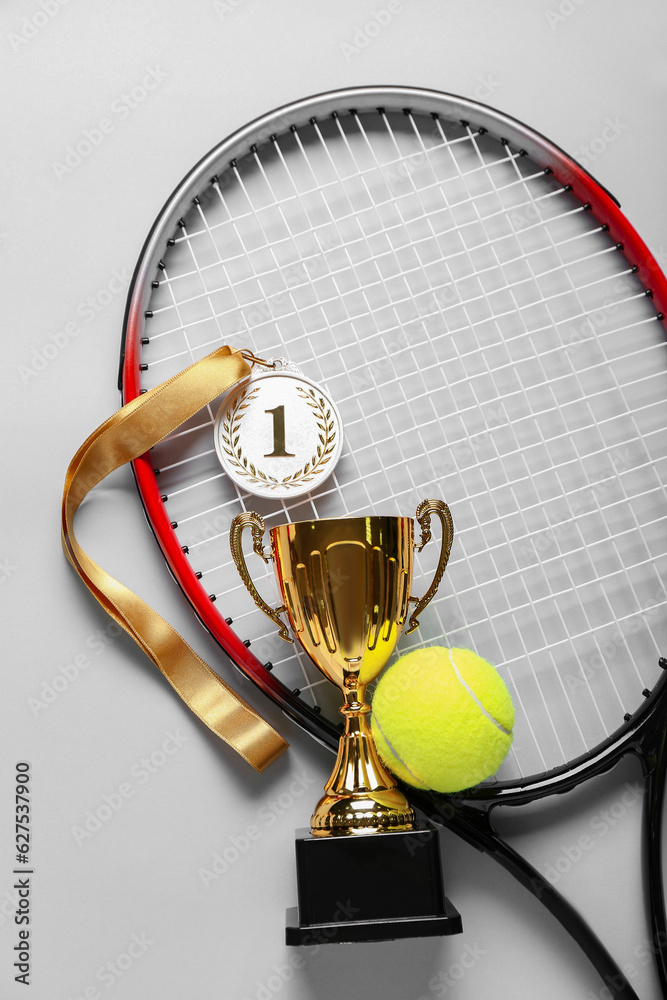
pixel 468 689
pixel 394 752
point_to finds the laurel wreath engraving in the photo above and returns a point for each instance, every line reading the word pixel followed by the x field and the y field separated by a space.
pixel 230 434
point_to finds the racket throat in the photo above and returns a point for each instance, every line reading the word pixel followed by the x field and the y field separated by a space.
pixel 361 796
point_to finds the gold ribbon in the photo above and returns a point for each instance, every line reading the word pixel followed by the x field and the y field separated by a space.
pixel 129 433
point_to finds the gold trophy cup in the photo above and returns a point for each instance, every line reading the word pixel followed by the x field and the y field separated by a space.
pixel 345 585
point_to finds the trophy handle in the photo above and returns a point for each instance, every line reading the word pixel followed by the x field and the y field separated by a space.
pixel 256 523
pixel 423 516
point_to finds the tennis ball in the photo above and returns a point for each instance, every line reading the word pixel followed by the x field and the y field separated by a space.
pixel 442 719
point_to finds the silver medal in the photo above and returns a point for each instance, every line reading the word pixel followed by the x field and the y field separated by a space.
pixel 278 434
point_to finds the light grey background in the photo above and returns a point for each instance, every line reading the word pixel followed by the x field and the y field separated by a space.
pixel 579 71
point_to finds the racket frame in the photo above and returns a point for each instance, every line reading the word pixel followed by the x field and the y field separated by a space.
pixel 548 156
pixel 643 733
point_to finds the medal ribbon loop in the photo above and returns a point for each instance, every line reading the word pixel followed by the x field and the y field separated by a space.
pixel 129 433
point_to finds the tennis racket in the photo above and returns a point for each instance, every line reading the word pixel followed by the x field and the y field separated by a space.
pixel 491 329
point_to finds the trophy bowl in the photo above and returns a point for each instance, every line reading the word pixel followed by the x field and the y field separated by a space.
pixel 345 586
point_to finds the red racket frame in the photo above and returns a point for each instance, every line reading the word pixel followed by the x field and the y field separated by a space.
pixel 643 733
pixel 544 153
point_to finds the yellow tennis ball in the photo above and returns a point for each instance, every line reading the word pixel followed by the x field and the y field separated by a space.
pixel 442 719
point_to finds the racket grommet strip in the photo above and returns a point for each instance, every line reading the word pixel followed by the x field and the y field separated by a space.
pixel 145 340
pixel 662 662
pixel 185 550
pixel 246 642
pixel 228 621
pixel 174 525
pixel 143 367
pixel 199 574
pixel 148 314
pixel 268 666
pixel 164 498
pixel 212 598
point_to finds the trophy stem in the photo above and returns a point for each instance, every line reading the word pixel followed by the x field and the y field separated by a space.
pixel 361 796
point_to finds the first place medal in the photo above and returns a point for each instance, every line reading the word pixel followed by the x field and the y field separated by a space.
pixel 278 434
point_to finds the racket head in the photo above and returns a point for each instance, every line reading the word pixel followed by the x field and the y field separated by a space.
pixel 377 232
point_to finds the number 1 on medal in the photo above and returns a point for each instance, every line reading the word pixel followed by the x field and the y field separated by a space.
pixel 278 414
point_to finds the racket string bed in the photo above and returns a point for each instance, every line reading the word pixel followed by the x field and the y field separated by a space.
pixel 256 158
pixel 489 242
pixel 562 265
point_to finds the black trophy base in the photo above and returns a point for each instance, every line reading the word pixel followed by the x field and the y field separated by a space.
pixel 378 887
